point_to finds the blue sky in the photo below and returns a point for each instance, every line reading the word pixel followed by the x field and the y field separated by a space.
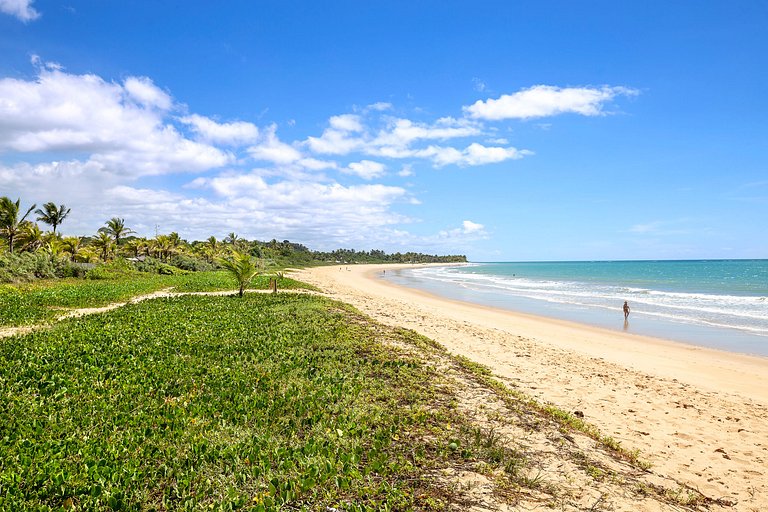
pixel 501 130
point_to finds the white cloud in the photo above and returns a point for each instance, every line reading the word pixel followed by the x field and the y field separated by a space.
pixel 346 123
pixel 238 132
pixel 546 100
pixel 479 85
pixel 146 93
pixel 21 9
pixel 406 171
pixel 272 149
pixel 314 164
pixel 468 231
pixel 379 106
pixel 472 227
pixel 122 127
pixel 403 132
pixel 473 155
pixel 335 142
pixel 347 134
pixel 366 169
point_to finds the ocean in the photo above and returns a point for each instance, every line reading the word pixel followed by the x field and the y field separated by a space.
pixel 719 304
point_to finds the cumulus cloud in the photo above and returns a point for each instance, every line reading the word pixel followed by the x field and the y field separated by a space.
pixel 22 9
pixel 238 132
pixel 94 144
pixel 472 227
pixel 407 170
pixel 272 149
pixel 546 100
pixel 123 126
pixel 146 93
pixel 401 133
pixel 346 123
pixel 400 138
pixel 473 155
pixel 366 169
pixel 467 231
pixel 335 141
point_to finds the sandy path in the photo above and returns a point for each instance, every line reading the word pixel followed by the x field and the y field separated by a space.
pixel 699 416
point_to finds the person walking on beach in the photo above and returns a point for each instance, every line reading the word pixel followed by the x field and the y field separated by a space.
pixel 626 310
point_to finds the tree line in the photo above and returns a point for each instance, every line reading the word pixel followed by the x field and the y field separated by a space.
pixel 21 233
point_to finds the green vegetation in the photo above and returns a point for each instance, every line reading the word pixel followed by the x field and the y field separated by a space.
pixel 10 222
pixel 265 403
pixel 53 255
pixel 241 267
pixel 44 300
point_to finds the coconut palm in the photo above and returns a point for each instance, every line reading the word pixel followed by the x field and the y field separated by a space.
pixel 210 249
pixel 72 246
pixel 10 222
pixel 52 215
pixel 164 246
pixel 137 247
pixel 30 237
pixel 242 267
pixel 116 228
pixel 105 244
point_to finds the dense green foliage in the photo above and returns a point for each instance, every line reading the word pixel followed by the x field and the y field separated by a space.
pixel 27 266
pixel 270 402
pixel 30 303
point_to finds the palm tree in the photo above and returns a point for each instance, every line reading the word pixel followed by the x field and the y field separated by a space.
pixel 30 236
pixel 52 215
pixel 10 223
pixel 137 246
pixel 163 246
pixel 242 267
pixel 210 249
pixel 115 228
pixel 104 243
pixel 72 246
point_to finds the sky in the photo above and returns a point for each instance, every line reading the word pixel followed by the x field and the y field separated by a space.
pixel 506 131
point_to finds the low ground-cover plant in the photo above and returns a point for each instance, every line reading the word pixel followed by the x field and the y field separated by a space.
pixel 270 402
pixel 43 300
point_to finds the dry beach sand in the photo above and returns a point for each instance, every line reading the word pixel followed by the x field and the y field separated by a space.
pixel 700 416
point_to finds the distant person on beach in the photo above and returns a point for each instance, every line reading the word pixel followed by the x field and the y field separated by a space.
pixel 626 310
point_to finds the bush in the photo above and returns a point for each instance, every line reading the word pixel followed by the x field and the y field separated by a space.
pixel 155 266
pixel 25 266
pixel 112 270
pixel 191 263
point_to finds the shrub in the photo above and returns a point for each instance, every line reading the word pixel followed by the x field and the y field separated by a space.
pixel 25 266
pixel 112 270
pixel 155 266
pixel 190 263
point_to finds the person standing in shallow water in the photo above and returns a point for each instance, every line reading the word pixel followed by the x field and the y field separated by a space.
pixel 626 310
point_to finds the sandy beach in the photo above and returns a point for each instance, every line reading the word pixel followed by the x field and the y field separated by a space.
pixel 700 416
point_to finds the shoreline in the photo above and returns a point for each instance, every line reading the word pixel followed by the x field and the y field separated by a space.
pixel 646 320
pixel 745 366
pixel 696 412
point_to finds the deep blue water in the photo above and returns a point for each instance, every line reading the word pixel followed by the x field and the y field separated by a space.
pixel 716 303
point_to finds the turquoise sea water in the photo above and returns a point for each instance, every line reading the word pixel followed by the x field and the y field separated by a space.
pixel 716 303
